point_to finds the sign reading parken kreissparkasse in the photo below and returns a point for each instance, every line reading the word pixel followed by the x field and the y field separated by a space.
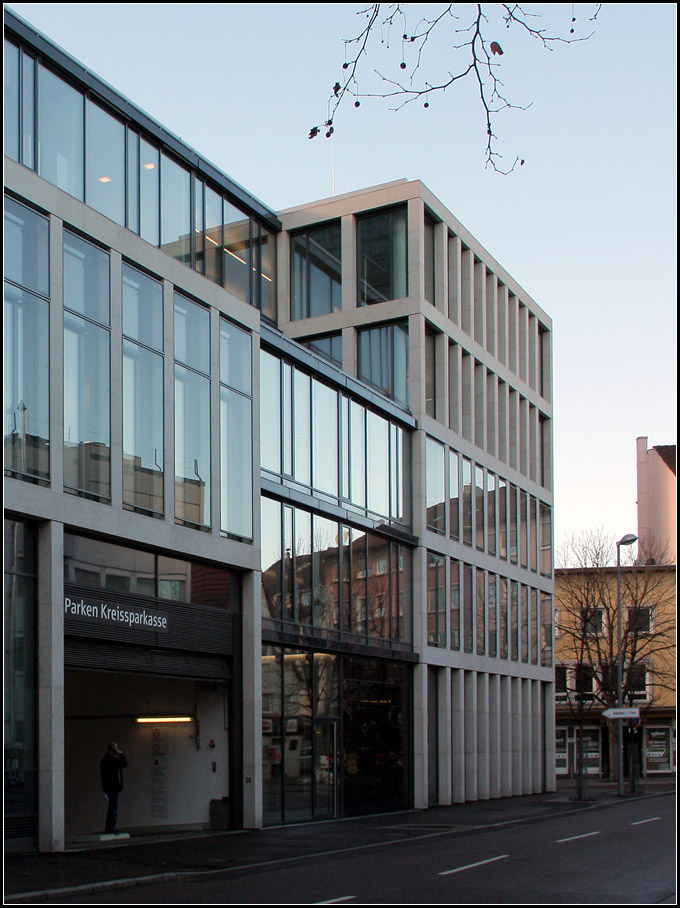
pixel 98 611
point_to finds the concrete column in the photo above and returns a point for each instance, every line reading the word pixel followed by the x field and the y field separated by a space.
pixel 445 721
pixel 482 735
pixel 50 687
pixel 516 719
pixel 537 738
pixel 495 789
pixel 506 735
pixel 457 736
pixel 548 697
pixel 471 775
pixel 420 789
pixel 527 738
pixel 252 701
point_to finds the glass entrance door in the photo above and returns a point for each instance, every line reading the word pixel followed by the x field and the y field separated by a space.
pixel 325 768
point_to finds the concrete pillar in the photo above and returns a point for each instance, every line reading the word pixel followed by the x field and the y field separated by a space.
pixel 420 789
pixel 537 738
pixel 548 697
pixel 471 774
pixel 50 687
pixel 457 736
pixel 506 735
pixel 445 723
pixel 516 720
pixel 482 736
pixel 527 738
pixel 495 788
pixel 252 701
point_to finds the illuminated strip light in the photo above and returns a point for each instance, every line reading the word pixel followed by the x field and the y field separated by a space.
pixel 163 720
pixel 237 257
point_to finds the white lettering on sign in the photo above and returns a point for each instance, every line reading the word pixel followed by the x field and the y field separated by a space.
pixel 103 613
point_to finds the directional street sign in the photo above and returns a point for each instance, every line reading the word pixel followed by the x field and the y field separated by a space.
pixel 624 712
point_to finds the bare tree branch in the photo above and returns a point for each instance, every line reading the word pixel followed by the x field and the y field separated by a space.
pixel 478 57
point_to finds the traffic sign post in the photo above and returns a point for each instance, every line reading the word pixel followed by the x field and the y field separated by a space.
pixel 624 712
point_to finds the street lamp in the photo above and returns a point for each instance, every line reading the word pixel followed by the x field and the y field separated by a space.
pixel 628 539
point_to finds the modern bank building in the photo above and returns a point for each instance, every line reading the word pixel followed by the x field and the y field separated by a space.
pixel 278 488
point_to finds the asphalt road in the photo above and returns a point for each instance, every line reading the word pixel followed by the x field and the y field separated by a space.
pixel 620 854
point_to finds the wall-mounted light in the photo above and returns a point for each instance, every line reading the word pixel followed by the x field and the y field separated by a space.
pixel 163 720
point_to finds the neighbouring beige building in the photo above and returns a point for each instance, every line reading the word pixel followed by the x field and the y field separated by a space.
pixel 656 497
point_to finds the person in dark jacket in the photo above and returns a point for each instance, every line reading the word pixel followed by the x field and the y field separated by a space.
pixel 111 767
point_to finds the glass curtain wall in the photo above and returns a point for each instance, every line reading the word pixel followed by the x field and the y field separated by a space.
pixel 383 360
pixel 236 430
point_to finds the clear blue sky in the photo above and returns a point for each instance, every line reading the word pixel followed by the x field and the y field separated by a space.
pixel 587 226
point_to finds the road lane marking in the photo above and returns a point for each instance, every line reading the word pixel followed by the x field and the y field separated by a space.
pixel 582 836
pixel 477 864
pixel 650 820
pixel 343 898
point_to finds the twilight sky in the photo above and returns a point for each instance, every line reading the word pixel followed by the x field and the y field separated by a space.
pixel 587 226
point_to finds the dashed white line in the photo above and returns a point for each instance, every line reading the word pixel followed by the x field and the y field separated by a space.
pixel 343 898
pixel 470 866
pixel 582 836
pixel 650 820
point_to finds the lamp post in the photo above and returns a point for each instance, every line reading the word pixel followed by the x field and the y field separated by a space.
pixel 628 539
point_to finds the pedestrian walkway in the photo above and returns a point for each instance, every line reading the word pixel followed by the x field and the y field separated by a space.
pixel 104 865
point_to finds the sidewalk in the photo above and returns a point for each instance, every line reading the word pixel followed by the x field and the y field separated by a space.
pixel 139 859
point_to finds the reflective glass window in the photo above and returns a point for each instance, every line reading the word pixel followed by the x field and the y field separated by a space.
pixel 454 496
pixel 467 501
pixel 192 447
pixel 468 606
pixel 545 518
pixel 270 412
pixel 237 252
pixel 431 374
pixel 142 308
pixel 105 163
pixel 11 133
pixel 514 621
pixel 175 210
pixel 503 628
pixel 383 359
pixel 377 461
pixel 436 518
pixel 502 518
pixel 546 606
pixel 62 133
pixel 214 248
pixel 454 604
pixel 26 244
pixel 272 553
pixel 302 428
pixel 87 403
pixel 26 383
pixel 28 111
pixel 382 256
pixel 357 454
pixel 491 513
pixel 192 334
pixel 316 277
pixel 149 192
pixel 480 602
pixel 143 440
pixel 328 346
pixel 132 179
pixel 492 614
pixel 325 573
pixel 236 357
pixel 436 599
pixel 236 487
pixel 325 434
pixel 480 508
pixel 265 271
pixel 86 279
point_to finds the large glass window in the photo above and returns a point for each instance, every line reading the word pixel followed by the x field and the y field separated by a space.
pixel 192 412
pixel 329 346
pixel 316 276
pixel 436 599
pixel 382 256
pixel 105 164
pixel 467 501
pixel 237 252
pixel 11 135
pixel 143 448
pixel 325 434
pixel 149 192
pixel 236 432
pixel 26 342
pixel 383 359
pixel 454 604
pixel 436 515
pixel 87 380
pixel 175 210
pixel 62 133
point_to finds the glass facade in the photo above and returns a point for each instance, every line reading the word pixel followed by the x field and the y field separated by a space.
pixel 236 431
pixel 92 154
pixel 316 438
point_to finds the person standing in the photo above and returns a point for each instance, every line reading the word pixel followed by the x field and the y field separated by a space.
pixel 111 767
